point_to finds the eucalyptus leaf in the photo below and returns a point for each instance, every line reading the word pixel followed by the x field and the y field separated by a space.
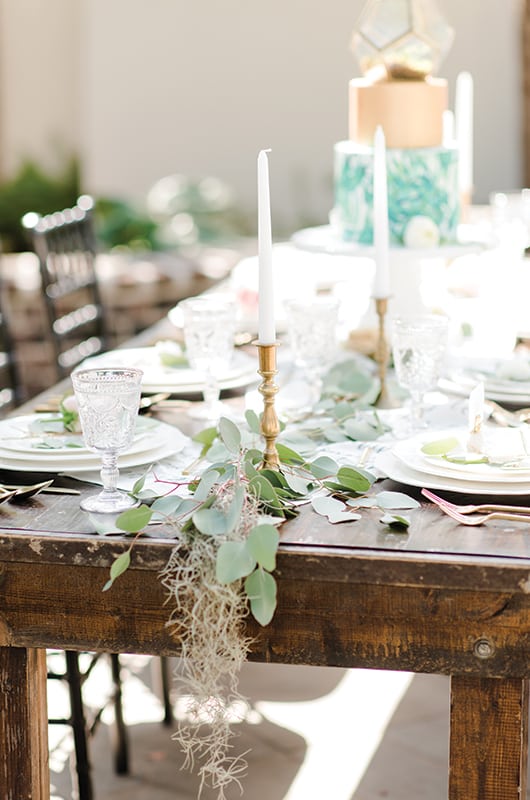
pixel 297 484
pixel 218 453
pixel 167 505
pixel 334 434
pixel 253 455
pixel 234 561
pixel 395 521
pixel 353 479
pixel 210 521
pixel 466 458
pixel 118 567
pixel 287 455
pixel 323 467
pixel 261 589
pixel 233 515
pixel 138 486
pixel 343 516
pixel 263 542
pixel 440 446
pixel 360 430
pixel 230 434
pixel 395 500
pixel 263 489
pixel 253 421
pixel 134 519
pixel 325 505
pixel 206 437
pixel 204 487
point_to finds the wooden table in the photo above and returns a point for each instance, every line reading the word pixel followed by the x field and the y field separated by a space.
pixel 439 599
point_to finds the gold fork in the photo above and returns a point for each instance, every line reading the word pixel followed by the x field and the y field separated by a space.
pixel 472 509
pixel 452 510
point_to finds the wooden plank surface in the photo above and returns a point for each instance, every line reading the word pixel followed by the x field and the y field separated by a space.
pixel 489 739
pixel 24 773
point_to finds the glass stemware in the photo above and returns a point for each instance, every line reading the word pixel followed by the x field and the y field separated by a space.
pixel 209 325
pixel 108 401
pixel 419 346
pixel 312 331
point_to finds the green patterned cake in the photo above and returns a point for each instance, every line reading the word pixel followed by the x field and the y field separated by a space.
pixel 423 199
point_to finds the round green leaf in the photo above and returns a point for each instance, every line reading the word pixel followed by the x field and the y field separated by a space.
pixel 230 434
pixel 210 521
pixel 353 479
pixel 134 519
pixel 263 542
pixel 261 589
pixel 395 500
pixel 234 561
pixel 252 420
pixel 323 467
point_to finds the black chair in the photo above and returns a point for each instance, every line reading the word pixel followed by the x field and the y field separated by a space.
pixel 65 244
pixel 11 388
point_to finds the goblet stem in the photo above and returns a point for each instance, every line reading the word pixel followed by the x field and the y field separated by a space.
pixel 109 471
pixel 417 419
pixel 211 392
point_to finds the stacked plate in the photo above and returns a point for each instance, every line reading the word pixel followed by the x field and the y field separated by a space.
pixel 507 471
pixel 179 379
pixel 39 443
pixel 505 380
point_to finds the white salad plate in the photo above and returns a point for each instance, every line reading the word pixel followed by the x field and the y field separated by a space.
pixel 391 466
pixel 179 379
pixel 513 466
pixel 160 442
pixel 44 437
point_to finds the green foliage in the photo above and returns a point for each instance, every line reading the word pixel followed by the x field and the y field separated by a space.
pixel 33 189
pixel 215 504
pixel 440 446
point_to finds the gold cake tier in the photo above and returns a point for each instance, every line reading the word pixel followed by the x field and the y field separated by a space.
pixel 410 112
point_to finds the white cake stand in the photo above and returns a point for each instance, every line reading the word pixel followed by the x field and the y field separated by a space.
pixel 416 275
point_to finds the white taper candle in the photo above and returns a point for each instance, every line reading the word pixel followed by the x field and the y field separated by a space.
pixel 266 326
pixel 381 236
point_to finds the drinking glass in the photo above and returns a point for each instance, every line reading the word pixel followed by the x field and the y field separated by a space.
pixel 108 401
pixel 312 331
pixel 209 325
pixel 419 346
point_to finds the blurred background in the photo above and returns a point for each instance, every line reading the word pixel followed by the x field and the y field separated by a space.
pixel 111 97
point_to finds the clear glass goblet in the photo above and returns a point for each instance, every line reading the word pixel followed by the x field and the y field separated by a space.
pixel 209 324
pixel 312 330
pixel 108 401
pixel 419 347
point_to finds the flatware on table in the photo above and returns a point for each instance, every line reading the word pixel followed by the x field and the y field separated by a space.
pixel 468 514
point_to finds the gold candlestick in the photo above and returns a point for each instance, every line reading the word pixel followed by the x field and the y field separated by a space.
pixel 270 426
pixel 384 399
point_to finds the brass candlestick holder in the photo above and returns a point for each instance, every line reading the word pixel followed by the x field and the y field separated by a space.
pixel 382 353
pixel 270 426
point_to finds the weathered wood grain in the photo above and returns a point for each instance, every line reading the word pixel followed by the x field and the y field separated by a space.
pixel 24 773
pixel 489 739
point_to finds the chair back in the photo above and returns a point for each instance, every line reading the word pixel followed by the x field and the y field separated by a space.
pixel 11 390
pixel 65 244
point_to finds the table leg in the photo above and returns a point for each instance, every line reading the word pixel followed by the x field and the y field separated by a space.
pixel 24 771
pixel 489 738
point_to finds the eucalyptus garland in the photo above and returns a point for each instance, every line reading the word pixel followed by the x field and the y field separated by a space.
pixel 222 567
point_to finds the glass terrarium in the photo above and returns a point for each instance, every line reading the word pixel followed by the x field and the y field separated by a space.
pixel 401 39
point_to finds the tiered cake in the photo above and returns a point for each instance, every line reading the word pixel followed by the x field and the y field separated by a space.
pixel 399 45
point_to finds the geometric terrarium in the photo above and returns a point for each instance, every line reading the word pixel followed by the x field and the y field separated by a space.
pixel 401 39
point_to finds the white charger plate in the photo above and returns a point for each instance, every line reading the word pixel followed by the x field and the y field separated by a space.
pixel 391 466
pixel 16 436
pixel 409 453
pixel 179 380
pixel 168 441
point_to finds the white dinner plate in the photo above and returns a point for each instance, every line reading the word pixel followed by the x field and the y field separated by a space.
pixel 409 452
pixel 40 436
pixel 180 379
pixel 167 441
pixel 393 468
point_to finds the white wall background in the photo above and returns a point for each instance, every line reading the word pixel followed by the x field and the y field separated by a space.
pixel 144 88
